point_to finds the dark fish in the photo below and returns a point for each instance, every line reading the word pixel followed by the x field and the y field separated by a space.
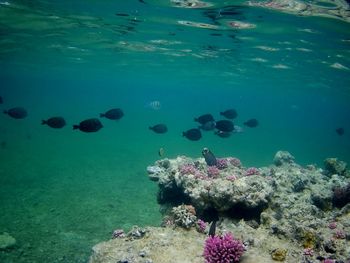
pixel 89 125
pixel 122 14
pixel 208 126
pixel 1 101
pixel 204 118
pixel 223 134
pixel 159 128
pixel 212 229
pixel 225 126
pixel 251 123
pixel 141 1
pixel 192 134
pixel 216 34
pixel 340 131
pixel 55 122
pixel 17 113
pixel 113 114
pixel 209 157
pixel 229 114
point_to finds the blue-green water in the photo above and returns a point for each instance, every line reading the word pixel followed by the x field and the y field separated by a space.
pixel 62 191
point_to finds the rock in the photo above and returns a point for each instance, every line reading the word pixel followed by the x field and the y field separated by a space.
pixel 6 241
pixel 283 157
pixel 334 166
pixel 159 245
pixel 279 254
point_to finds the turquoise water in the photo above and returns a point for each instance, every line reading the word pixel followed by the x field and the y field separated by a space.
pixel 62 191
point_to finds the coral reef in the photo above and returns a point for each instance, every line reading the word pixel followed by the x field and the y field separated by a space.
pixel 6 241
pixel 283 212
pixel 222 249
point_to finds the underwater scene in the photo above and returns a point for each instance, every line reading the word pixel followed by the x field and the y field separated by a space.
pixel 174 131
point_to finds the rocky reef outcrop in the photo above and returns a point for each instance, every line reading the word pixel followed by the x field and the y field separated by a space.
pixel 283 212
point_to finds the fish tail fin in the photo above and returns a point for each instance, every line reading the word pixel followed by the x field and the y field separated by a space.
pixel 102 115
pixel 150 127
pixel 43 122
pixel 5 111
pixel 75 127
pixel 195 119
pixel 183 134
pixel 221 113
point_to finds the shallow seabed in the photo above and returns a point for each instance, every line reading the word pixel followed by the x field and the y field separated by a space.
pixel 62 191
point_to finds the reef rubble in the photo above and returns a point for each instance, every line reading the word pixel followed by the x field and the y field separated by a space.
pixel 284 212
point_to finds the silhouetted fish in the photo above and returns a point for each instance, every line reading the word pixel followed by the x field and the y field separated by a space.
pixel 340 131
pixel 229 114
pixel 223 134
pixel 161 152
pixel 192 134
pixel 208 126
pixel 55 122
pixel 1 101
pixel 225 126
pixel 17 113
pixel 251 123
pixel 159 128
pixel 113 114
pixel 141 1
pixel 212 229
pixel 204 118
pixel 89 125
pixel 122 14
pixel 209 157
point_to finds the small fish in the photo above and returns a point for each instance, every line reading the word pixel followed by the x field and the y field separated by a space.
pixel 212 229
pixel 113 114
pixel 204 118
pixel 154 105
pixel 216 34
pixel 159 128
pixel 54 122
pixel 122 14
pixel 209 157
pixel 141 1
pixel 89 125
pixel 192 134
pixel 229 114
pixel 251 123
pixel 161 152
pixel 17 113
pixel 225 126
pixel 340 131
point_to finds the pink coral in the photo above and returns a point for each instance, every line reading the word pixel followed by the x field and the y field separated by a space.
pixel 252 171
pixel 223 249
pixel 231 177
pixel 221 163
pixel 187 169
pixel 213 171
pixel 235 161
pixel 332 225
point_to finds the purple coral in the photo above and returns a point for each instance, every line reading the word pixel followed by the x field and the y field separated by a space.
pixel 118 233
pixel 223 249
pixel 201 226
pixel 213 171
pixel 221 163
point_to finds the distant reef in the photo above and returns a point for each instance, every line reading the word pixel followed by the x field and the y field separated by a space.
pixel 280 213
